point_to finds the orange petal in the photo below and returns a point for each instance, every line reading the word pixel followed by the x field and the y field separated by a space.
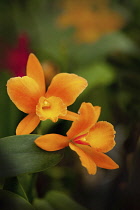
pixel 50 108
pixel 97 111
pixel 101 136
pixel 52 142
pixel 103 161
pixel 24 92
pixel 87 118
pixel 67 87
pixel 85 158
pixel 35 71
pixel 100 159
pixel 28 124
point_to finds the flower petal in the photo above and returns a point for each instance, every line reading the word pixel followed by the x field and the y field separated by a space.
pixel 87 118
pixel 35 71
pixel 97 111
pixel 67 87
pixel 85 158
pixel 52 142
pixel 28 124
pixel 50 108
pixel 24 92
pixel 101 136
pixel 103 161
pixel 100 159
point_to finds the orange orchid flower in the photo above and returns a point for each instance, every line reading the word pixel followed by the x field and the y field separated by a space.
pixel 87 137
pixel 29 94
pixel 91 19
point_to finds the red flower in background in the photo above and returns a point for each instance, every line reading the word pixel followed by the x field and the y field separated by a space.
pixel 15 57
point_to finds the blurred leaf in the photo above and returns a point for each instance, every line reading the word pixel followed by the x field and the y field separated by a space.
pixel 101 97
pixel 20 155
pixel 42 204
pixel 12 184
pixel 60 201
pixel 25 180
pixel 9 200
pixel 98 74
pixel 28 182
pixel 9 114
pixel 115 42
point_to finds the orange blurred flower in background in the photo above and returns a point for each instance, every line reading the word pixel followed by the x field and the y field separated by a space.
pixel 87 137
pixel 29 94
pixel 91 19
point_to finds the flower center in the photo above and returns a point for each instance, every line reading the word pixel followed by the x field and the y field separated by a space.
pixel 81 139
pixel 45 104
pixel 50 108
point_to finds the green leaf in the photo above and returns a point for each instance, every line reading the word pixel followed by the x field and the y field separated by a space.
pixel 28 183
pixel 60 201
pixel 9 200
pixel 108 44
pixel 98 74
pixel 12 184
pixel 20 155
pixel 42 204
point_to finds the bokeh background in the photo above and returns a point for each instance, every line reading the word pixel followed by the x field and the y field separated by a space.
pixel 100 41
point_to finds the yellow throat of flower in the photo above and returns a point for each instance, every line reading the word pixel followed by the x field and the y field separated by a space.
pixel 50 108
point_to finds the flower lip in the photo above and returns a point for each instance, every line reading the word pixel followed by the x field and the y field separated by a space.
pixel 50 108
pixel 81 139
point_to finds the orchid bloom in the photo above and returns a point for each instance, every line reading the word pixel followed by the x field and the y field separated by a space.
pixel 87 137
pixel 90 24
pixel 29 94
